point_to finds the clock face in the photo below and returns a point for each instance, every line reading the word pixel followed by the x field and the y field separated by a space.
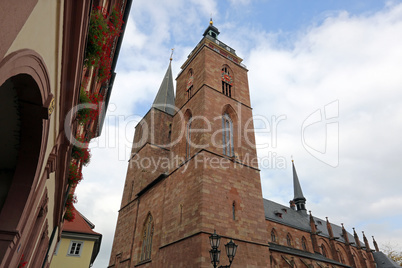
pixel 227 78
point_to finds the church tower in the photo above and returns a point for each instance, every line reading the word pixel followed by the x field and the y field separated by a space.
pixel 194 169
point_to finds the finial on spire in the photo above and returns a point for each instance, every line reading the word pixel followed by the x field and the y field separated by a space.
pixel 291 157
pixel 171 55
pixel 210 21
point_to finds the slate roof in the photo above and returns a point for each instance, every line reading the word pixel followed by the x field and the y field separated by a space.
pixel 383 261
pixel 301 221
pixel 164 100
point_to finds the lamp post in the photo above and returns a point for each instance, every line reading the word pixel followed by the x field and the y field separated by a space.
pixel 215 253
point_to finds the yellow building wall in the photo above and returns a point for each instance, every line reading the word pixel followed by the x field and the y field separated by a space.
pixel 62 260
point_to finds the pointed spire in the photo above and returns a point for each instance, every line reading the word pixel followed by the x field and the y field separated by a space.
pixel 164 100
pixel 329 228
pixel 375 245
pixel 299 199
pixel 345 234
pixel 357 241
pixel 366 242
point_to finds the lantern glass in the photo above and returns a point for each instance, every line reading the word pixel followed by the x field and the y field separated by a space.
pixel 215 256
pixel 214 239
pixel 231 248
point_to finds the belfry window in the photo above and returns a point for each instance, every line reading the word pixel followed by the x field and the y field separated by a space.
pixel 227 135
pixel 190 86
pixel 188 138
pixel 147 239
pixel 227 81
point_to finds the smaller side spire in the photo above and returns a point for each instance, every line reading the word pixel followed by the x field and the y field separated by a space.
pixel 299 198
pixel 164 100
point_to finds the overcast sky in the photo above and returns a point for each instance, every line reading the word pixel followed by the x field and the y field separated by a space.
pixel 325 79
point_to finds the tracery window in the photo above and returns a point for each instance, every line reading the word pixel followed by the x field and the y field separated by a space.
pixel 289 240
pixel 227 81
pixel 148 232
pixel 227 135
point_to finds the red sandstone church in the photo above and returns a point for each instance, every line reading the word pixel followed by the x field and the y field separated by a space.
pixel 193 171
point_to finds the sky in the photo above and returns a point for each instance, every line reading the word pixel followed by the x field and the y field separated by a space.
pixel 325 84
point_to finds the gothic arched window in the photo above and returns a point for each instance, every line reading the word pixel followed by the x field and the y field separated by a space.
pixel 227 81
pixel 273 236
pixel 148 232
pixel 304 244
pixel 227 135
pixel 289 240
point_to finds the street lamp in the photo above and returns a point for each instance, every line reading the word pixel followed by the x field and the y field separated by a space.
pixel 215 253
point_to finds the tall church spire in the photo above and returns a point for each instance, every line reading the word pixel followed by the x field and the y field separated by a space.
pixel 299 199
pixel 164 100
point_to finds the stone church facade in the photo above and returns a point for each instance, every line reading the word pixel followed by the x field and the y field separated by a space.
pixel 194 169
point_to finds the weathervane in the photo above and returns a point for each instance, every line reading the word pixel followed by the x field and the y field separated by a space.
pixel 171 55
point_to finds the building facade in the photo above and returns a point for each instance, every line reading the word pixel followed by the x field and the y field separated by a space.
pixel 194 169
pixel 79 244
pixel 43 70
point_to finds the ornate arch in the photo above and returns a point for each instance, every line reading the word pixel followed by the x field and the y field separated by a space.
pixel 325 248
pixel 25 73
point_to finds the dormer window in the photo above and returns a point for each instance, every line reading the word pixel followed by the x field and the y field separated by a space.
pixel 285 210
pixel 278 214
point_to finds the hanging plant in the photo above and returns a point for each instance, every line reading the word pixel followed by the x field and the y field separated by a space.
pixel 86 114
pixel 82 154
pixel 70 215
pixel 103 29
pixel 74 174
pixel 22 262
